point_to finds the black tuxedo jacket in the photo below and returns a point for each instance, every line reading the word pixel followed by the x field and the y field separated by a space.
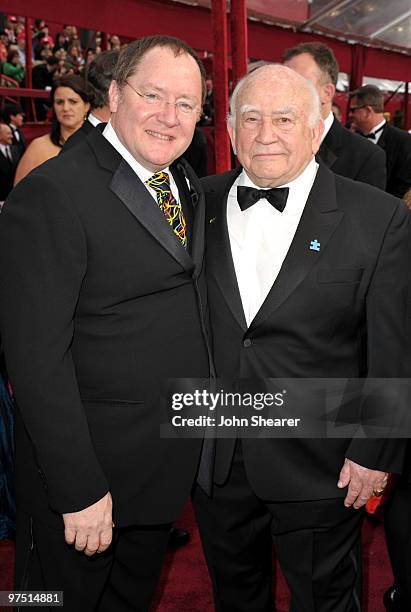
pixel 7 173
pixel 352 156
pixel 196 154
pixel 397 146
pixel 19 145
pixel 79 135
pixel 99 305
pixel 336 313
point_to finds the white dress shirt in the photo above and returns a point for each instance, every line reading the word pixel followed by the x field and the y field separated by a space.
pixel 93 120
pixel 377 130
pixel 328 121
pixel 260 237
pixel 6 151
pixel 15 132
pixel 142 173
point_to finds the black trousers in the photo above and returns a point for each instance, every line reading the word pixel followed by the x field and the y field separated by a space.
pixel 317 545
pixel 398 532
pixel 121 579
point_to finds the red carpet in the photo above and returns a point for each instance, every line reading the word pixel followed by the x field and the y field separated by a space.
pixel 185 586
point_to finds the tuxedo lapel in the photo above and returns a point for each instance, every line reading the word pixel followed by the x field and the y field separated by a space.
pixel 327 156
pixel 318 223
pixel 131 191
pixel 330 145
pixel 382 141
pixel 18 138
pixel 196 204
pixel 220 262
pixel 126 185
pixel 22 138
pixel 5 161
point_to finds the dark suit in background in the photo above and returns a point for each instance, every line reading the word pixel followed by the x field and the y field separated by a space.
pixel 397 522
pixel 13 116
pixel 397 146
pixel 19 141
pixel 7 172
pixel 196 154
pixel 350 155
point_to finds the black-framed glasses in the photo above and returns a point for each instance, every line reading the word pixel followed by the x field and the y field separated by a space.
pixel 156 100
pixel 354 108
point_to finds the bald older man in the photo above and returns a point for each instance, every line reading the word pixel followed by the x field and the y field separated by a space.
pixel 303 283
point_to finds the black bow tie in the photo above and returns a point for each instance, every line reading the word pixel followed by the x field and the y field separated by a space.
pixel 277 196
pixel 372 135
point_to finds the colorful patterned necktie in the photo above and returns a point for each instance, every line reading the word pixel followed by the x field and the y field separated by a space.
pixel 160 182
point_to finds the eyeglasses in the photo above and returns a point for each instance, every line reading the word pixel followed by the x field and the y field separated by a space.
pixel 157 101
pixel 354 108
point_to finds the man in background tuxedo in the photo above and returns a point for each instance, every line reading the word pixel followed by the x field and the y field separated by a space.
pixel 8 161
pixel 342 151
pixel 43 78
pixel 307 276
pixel 196 154
pixel 367 115
pixel 98 77
pixel 13 115
pixel 101 301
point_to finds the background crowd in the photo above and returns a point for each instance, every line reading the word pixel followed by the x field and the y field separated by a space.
pixel 68 52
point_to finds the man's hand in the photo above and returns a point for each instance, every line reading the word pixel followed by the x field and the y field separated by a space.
pixel 361 482
pixel 90 529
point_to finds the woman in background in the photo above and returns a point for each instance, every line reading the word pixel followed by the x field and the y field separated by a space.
pixel 70 108
pixel 13 68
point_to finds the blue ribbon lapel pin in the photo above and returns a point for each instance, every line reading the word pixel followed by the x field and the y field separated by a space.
pixel 315 245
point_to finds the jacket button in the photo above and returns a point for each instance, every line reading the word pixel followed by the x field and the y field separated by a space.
pixel 247 342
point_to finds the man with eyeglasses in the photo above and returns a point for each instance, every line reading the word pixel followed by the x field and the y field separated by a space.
pixel 307 274
pixel 102 300
pixel 342 151
pixel 367 116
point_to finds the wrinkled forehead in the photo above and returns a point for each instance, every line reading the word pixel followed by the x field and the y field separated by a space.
pixel 271 94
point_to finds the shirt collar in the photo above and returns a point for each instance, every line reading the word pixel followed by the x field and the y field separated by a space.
pixel 377 127
pixel 93 120
pixel 142 173
pixel 299 187
pixel 328 121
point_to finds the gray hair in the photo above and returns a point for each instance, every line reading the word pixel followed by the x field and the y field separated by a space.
pixel 315 112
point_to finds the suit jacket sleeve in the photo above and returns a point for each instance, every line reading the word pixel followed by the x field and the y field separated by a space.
pixel 42 266
pixel 374 169
pixel 403 169
pixel 387 342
